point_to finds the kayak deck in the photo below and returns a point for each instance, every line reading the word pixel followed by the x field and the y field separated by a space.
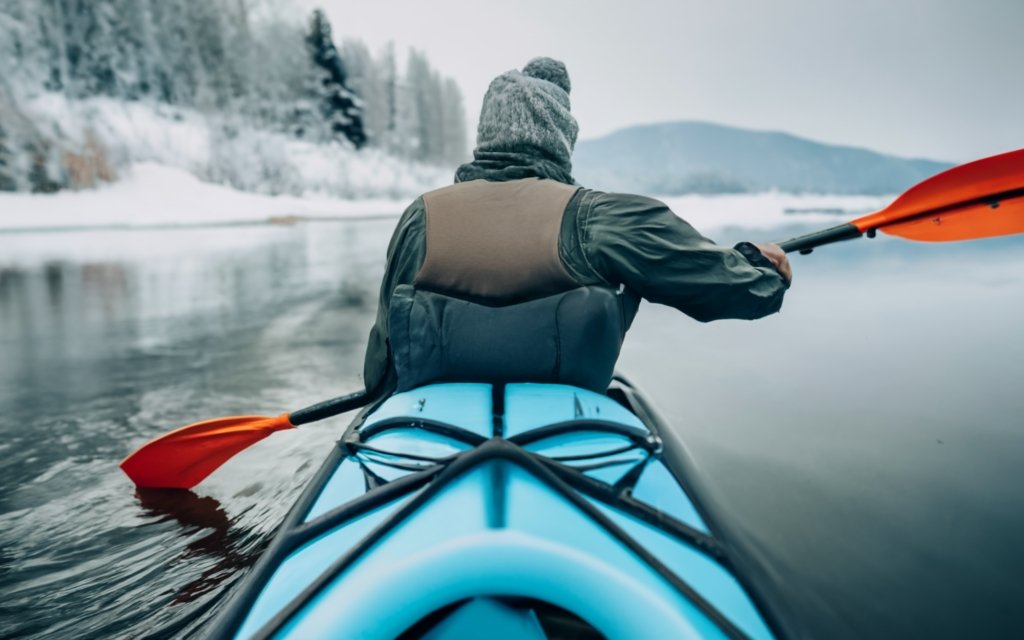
pixel 521 507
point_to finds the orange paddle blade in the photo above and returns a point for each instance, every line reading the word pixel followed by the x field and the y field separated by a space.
pixel 964 222
pixel 980 199
pixel 182 458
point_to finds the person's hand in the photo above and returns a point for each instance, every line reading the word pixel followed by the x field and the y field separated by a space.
pixel 778 257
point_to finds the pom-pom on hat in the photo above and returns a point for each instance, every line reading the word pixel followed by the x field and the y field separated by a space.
pixel 549 69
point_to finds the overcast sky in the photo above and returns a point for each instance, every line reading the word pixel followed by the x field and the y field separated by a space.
pixel 941 79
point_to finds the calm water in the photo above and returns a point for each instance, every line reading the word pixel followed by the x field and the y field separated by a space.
pixel 869 439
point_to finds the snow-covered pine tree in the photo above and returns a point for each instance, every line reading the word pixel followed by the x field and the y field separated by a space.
pixel 39 173
pixel 388 71
pixel 128 50
pixel 454 147
pixel 8 182
pixel 40 43
pixel 177 69
pixel 241 71
pixel 206 25
pixel 340 107
pixel 278 97
pixel 418 108
pixel 366 79
pixel 406 141
pixel 432 123
pixel 91 47
pixel 20 55
pixel 431 118
pixel 250 67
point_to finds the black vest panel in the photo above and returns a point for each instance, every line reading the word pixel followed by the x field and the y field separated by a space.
pixel 569 338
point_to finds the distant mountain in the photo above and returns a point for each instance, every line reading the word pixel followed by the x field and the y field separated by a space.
pixel 699 157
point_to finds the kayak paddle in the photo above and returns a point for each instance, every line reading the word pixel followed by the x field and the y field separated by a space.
pixel 980 199
pixel 181 458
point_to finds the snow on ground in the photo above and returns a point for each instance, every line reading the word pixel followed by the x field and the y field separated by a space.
pixel 154 195
pixel 228 150
pixel 178 167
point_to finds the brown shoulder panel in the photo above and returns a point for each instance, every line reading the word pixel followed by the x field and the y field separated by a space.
pixel 496 241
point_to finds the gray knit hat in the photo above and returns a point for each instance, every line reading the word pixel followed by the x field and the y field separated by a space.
pixel 528 112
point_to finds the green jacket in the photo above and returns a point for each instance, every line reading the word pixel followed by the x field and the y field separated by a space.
pixel 611 239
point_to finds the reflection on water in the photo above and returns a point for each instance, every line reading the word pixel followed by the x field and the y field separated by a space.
pixel 219 537
pixel 146 288
pixel 867 441
pixel 110 338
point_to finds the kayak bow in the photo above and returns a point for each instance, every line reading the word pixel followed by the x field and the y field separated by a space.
pixel 540 511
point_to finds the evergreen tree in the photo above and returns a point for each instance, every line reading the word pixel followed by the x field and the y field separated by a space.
pixel 431 115
pixel 243 62
pixel 132 51
pixel 240 43
pixel 280 97
pixel 13 149
pixel 419 108
pixel 8 182
pixel 39 174
pixel 47 20
pixel 407 142
pixel 340 107
pixel 367 81
pixel 388 71
pixel 88 34
pixel 181 77
pixel 432 118
pixel 211 31
pixel 19 46
pixel 454 147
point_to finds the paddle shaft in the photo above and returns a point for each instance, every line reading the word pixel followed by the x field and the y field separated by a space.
pixel 807 243
pixel 329 408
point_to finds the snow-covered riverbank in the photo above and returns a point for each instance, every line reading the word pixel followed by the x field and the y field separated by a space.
pixel 154 195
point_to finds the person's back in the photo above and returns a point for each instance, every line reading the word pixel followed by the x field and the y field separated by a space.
pixel 516 273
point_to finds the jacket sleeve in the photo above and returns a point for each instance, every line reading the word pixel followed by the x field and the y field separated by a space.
pixel 640 243
pixel 404 258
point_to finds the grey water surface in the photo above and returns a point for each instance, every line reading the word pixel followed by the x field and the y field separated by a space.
pixel 868 441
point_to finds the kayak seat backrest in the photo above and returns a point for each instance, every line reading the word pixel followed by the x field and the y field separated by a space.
pixel 570 338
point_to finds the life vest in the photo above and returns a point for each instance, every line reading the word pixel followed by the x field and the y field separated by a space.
pixel 493 302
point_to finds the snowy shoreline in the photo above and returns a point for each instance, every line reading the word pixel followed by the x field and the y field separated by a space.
pixel 154 196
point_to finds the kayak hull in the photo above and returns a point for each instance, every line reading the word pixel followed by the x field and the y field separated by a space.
pixel 517 506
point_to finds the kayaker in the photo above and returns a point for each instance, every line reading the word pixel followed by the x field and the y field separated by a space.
pixel 517 273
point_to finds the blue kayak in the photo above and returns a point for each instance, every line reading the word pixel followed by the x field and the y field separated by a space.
pixel 527 511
